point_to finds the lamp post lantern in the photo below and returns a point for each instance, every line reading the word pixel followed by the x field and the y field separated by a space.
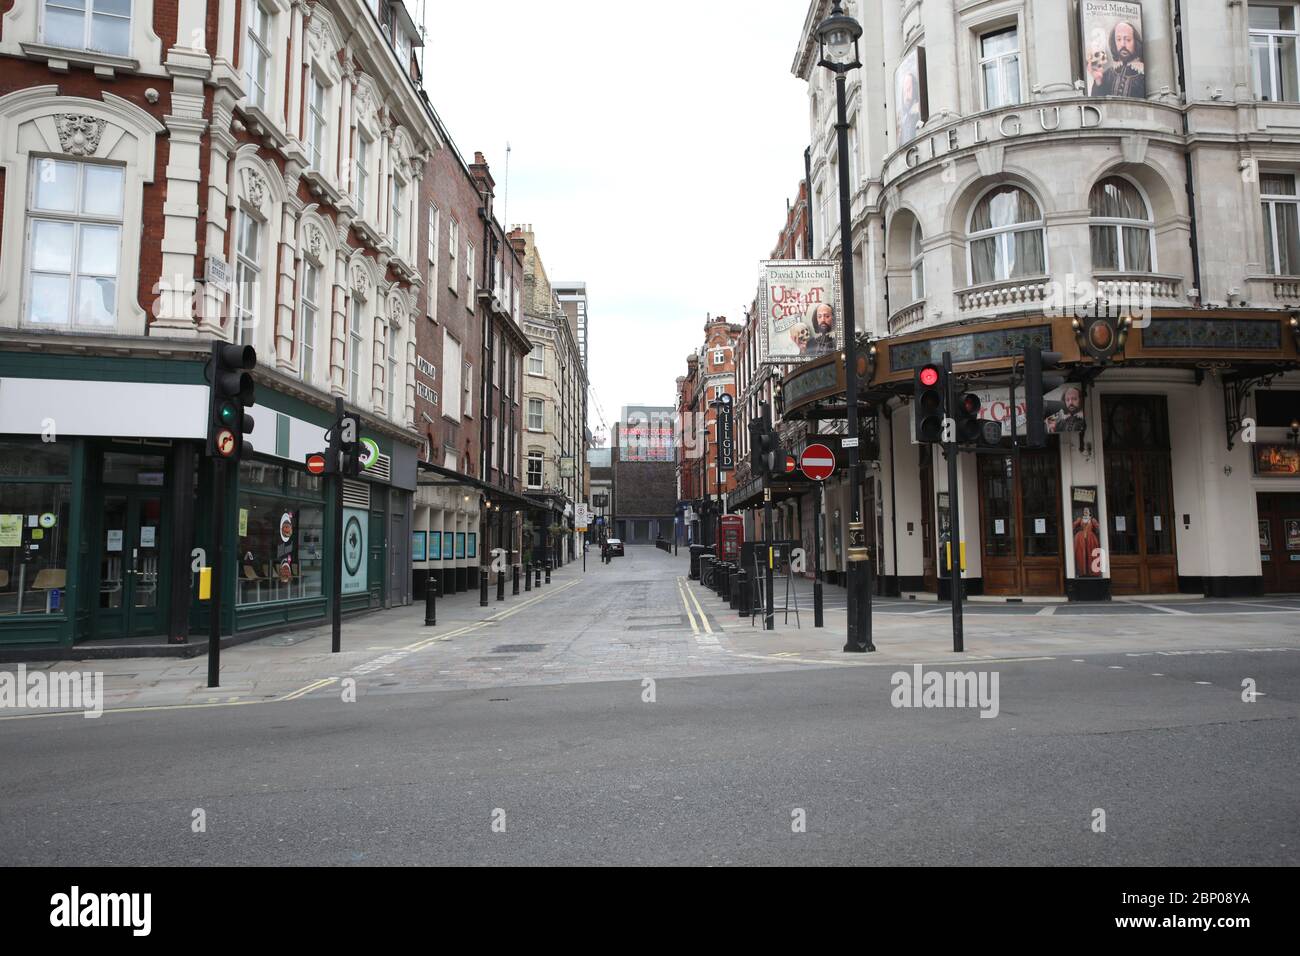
pixel 837 38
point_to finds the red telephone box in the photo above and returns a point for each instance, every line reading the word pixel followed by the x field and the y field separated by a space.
pixel 731 538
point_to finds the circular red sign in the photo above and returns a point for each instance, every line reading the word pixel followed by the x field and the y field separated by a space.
pixel 316 464
pixel 817 462
pixel 225 443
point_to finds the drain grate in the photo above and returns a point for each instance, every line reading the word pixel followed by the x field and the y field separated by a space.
pixel 518 648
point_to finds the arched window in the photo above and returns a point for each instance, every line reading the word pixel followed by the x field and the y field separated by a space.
pixel 1121 227
pixel 1006 236
pixel 918 264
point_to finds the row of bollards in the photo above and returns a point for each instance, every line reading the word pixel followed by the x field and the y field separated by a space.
pixel 532 578
pixel 725 578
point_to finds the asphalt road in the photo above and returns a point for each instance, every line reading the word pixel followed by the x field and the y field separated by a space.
pixel 714 771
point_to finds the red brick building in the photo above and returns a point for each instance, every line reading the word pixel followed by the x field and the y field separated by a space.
pixel 267 172
pixel 710 375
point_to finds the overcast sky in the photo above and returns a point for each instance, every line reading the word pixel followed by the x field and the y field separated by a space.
pixel 653 148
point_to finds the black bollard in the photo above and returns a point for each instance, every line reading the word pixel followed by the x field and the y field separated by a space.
pixel 482 588
pixel 537 574
pixel 514 575
pixel 528 578
pixel 430 602
pixel 548 572
pixel 501 585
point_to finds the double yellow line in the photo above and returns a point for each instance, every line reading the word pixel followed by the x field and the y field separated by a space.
pixel 688 597
pixel 304 691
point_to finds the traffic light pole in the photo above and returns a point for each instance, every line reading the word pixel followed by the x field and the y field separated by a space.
pixel 336 558
pixel 950 451
pixel 218 538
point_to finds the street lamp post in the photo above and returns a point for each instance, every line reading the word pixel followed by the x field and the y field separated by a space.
pixel 837 37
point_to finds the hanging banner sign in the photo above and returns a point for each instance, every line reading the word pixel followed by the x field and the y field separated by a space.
pixel 726 432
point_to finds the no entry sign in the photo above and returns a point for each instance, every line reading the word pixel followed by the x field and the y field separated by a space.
pixel 316 464
pixel 817 462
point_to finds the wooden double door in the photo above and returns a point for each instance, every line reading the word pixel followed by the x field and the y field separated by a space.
pixel 1020 522
pixel 1279 542
pixel 1139 495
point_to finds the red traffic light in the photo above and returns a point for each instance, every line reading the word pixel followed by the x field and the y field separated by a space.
pixel 929 376
pixel 970 403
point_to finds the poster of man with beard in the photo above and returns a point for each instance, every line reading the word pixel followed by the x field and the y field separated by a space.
pixel 1113 59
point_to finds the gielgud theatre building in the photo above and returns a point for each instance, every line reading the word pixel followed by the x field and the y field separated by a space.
pixel 1027 157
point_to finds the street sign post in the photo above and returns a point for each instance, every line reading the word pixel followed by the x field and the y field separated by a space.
pixel 817 463
pixel 580 519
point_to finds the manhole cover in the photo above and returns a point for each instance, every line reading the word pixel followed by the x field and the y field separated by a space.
pixel 518 648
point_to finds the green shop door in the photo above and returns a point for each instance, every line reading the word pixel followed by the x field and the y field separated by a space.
pixel 132 595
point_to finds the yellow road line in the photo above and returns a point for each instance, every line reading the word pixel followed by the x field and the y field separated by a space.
pixel 138 710
pixel 304 691
pixel 685 604
pixel 703 617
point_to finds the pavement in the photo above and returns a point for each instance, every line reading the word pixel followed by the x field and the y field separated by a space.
pixel 626 716
pixel 641 616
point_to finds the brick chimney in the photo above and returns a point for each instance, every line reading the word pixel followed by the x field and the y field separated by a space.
pixel 483 176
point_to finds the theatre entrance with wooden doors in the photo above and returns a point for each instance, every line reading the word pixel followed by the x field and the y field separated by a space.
pixel 1139 495
pixel 1279 542
pixel 1020 522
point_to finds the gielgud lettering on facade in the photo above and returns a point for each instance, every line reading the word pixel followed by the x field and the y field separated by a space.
pixel 977 132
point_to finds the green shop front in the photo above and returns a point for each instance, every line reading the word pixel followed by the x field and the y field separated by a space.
pixel 102 534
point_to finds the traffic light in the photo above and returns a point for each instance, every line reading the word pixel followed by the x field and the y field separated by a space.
pixel 973 430
pixel 931 389
pixel 345 445
pixel 1038 382
pixel 969 426
pixel 767 458
pixel 230 394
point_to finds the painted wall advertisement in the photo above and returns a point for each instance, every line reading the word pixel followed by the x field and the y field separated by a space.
pixel 356 524
pixel 799 310
pixel 1113 60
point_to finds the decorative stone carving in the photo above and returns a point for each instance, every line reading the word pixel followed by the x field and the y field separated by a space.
pixel 315 242
pixel 366 100
pixel 395 314
pixel 254 187
pixel 79 134
pixel 360 279
pixel 320 33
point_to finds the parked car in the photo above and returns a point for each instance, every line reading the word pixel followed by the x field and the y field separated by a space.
pixel 615 547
